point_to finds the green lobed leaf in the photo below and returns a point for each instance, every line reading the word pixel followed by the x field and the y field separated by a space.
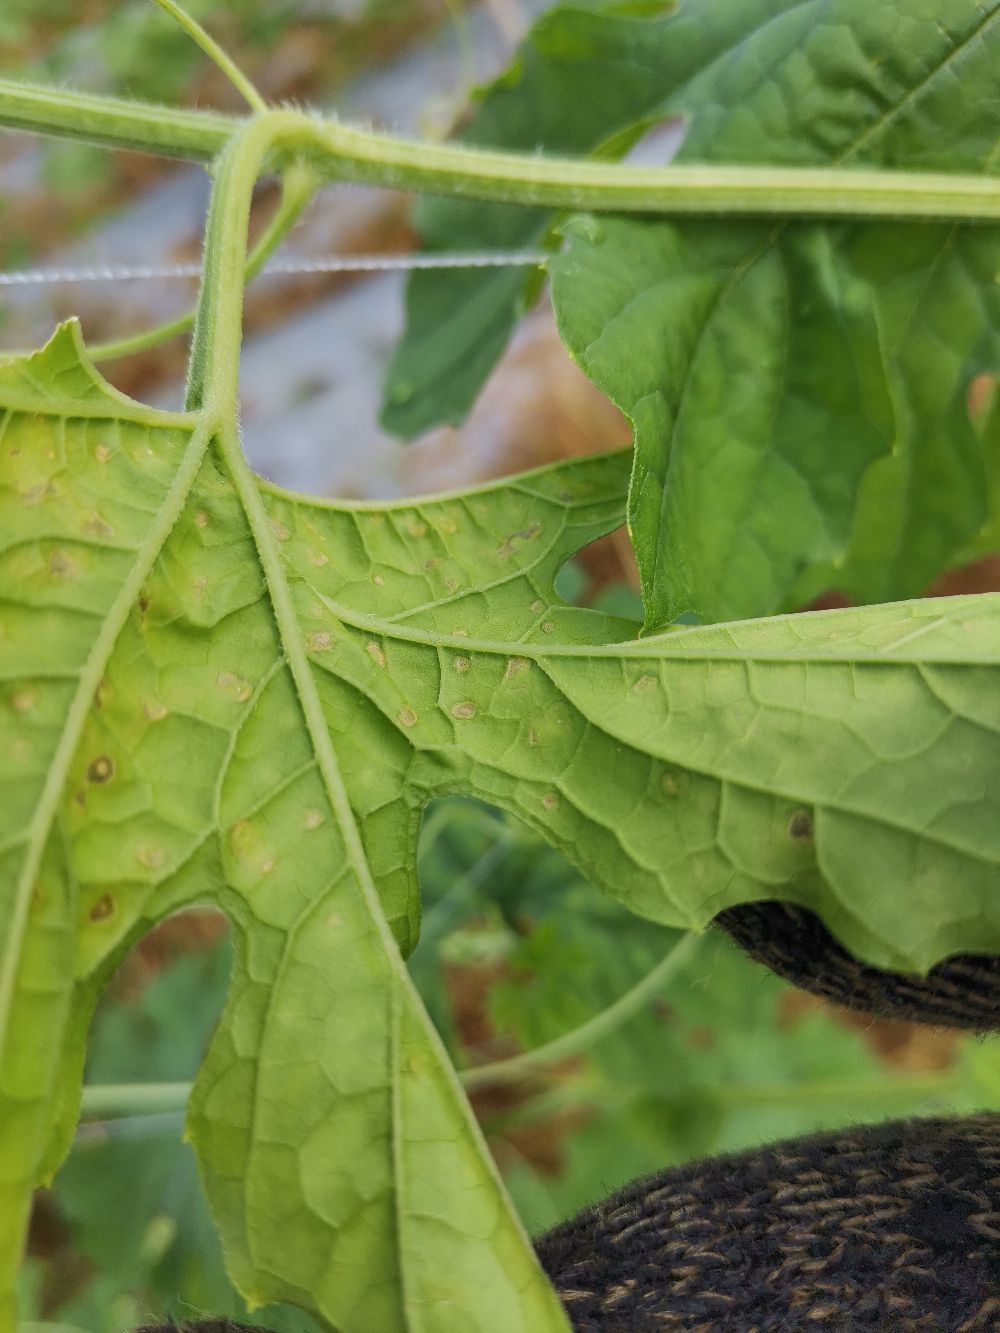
pixel 167 744
pixel 798 392
pixel 340 1156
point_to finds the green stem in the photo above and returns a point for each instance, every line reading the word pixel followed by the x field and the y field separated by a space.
pixel 297 187
pixel 596 1028
pixel 114 122
pixel 112 1100
pixel 215 53
pixel 580 1091
pixel 108 1101
pixel 340 152
pixel 213 375
pixel 128 1099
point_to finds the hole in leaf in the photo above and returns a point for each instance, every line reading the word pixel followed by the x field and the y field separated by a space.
pixel 657 144
pixel 604 576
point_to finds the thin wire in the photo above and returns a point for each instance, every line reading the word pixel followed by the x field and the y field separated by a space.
pixel 335 264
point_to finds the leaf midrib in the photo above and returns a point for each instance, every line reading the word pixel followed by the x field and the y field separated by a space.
pixel 286 622
pixel 829 803
pixel 659 646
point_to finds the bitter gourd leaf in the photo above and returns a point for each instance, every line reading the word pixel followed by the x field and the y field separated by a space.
pixel 167 739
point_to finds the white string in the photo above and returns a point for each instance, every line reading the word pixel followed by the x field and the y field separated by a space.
pixel 335 264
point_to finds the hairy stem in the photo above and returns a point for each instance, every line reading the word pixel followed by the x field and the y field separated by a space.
pixel 114 122
pixel 344 153
pixel 213 374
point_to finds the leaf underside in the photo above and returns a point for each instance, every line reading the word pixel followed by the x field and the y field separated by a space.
pixel 798 392
pixel 159 752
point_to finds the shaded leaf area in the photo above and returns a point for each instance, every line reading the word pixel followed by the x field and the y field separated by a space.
pixel 168 745
pixel 798 393
pixel 799 402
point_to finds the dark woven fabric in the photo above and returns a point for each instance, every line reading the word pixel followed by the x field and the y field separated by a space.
pixel 890 1228
pixel 202 1326
pixel 962 992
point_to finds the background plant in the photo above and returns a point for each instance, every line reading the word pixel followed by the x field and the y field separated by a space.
pixel 571 684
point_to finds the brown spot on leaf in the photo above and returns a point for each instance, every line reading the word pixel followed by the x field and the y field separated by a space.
pixel 61 565
pixel 101 769
pixel 507 548
pixel 800 826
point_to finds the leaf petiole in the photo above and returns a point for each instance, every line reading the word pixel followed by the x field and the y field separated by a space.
pixel 343 152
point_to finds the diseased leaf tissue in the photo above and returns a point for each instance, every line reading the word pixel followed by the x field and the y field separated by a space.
pixel 216 691
pixel 158 753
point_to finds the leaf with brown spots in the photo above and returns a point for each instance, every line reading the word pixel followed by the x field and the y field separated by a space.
pixel 225 693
